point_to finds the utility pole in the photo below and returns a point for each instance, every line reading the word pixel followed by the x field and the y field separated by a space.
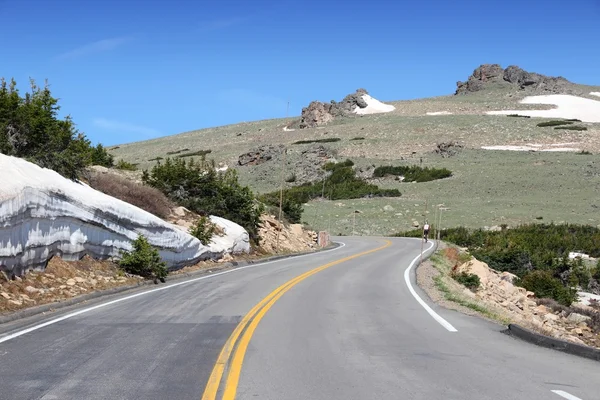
pixel 435 227
pixel 281 199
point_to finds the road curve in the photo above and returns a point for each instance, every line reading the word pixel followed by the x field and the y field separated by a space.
pixel 349 328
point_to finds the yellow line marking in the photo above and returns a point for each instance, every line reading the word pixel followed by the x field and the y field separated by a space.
pixel 258 312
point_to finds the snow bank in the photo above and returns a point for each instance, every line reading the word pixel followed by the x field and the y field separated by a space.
pixel 530 147
pixel 43 214
pixel 440 113
pixel 567 106
pixel 374 106
pixel 595 94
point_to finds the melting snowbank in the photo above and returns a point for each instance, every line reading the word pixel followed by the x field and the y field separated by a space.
pixel 533 147
pixel 595 94
pixel 439 113
pixel 567 106
pixel 374 106
pixel 43 214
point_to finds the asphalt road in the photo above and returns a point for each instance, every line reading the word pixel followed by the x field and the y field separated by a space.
pixel 352 330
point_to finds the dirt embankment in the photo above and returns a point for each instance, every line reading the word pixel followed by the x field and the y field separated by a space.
pixel 497 298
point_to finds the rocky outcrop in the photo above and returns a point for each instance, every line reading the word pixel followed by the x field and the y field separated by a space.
pixel 260 155
pixel 302 166
pixel 308 167
pixel 491 76
pixel 448 149
pixel 318 113
pixel 43 214
pixel 292 238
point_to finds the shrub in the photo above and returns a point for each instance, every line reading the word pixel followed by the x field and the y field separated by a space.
pixel 200 153
pixel 412 173
pixel 145 197
pixel 584 153
pixel 177 151
pixel 572 128
pixel 358 138
pixel 470 281
pixel 518 116
pixel 30 129
pixel 554 123
pixel 200 188
pixel 326 140
pixel 99 156
pixel 155 159
pixel 126 166
pixel 203 230
pixel 342 183
pixel 543 284
pixel 144 261
pixel 533 248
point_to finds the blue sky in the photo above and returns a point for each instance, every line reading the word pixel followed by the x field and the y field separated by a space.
pixel 133 70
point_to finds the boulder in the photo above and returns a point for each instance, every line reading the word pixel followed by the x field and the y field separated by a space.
pixel 577 318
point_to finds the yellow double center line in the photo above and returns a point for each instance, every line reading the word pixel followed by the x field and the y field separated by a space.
pixel 251 321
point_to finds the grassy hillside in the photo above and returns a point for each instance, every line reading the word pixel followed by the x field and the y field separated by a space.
pixel 487 187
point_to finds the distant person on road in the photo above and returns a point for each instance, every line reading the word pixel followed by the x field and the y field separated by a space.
pixel 426 231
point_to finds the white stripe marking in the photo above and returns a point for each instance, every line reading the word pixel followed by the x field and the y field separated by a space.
pixel 566 395
pixel 435 315
pixel 86 310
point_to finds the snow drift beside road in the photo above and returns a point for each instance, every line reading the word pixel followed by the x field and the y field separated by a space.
pixel 567 106
pixel 374 106
pixel 43 214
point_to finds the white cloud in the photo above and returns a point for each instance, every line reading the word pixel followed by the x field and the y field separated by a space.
pixel 124 127
pixel 99 46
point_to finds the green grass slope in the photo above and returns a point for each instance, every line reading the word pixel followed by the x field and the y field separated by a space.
pixel 487 187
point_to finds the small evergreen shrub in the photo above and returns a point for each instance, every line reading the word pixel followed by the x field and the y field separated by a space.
pixel 177 151
pixel 126 166
pixel 543 284
pixel 412 173
pixel 200 153
pixel 200 188
pixel 144 260
pixel 470 281
pixel 554 123
pixel 99 156
pixel 203 230
pixel 342 183
pixel 572 128
pixel 326 140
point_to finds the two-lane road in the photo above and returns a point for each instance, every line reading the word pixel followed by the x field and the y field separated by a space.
pixel 341 324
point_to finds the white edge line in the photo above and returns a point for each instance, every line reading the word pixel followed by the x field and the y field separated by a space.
pixel 435 315
pixel 565 395
pixel 85 310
